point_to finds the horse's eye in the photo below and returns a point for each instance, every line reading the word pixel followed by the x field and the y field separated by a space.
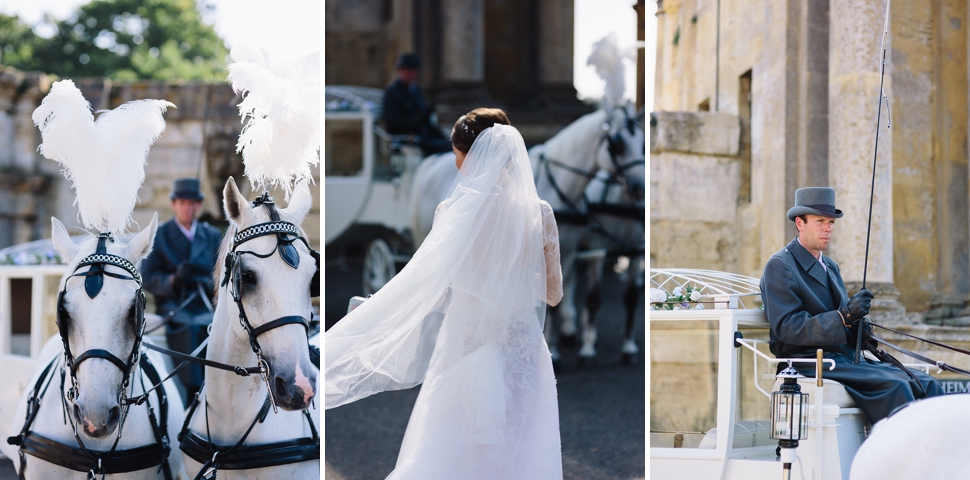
pixel 249 278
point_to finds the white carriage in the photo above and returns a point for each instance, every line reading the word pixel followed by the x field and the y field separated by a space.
pixel 711 383
pixel 369 175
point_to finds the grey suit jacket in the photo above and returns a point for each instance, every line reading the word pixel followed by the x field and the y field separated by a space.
pixel 801 301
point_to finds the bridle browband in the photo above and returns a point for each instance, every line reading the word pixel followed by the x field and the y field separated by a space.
pixel 83 459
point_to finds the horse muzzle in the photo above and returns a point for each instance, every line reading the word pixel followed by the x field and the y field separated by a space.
pixel 96 419
pixel 293 390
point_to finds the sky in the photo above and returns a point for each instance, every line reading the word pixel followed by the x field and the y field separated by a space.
pixel 594 20
pixel 286 28
pixel 291 28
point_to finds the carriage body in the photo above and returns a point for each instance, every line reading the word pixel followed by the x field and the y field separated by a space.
pixel 710 402
pixel 29 277
pixel 368 183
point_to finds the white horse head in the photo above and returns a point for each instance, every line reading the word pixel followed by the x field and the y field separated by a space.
pixel 106 322
pixel 926 439
pixel 625 150
pixel 271 289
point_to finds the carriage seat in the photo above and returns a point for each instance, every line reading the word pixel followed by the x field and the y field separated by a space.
pixel 833 391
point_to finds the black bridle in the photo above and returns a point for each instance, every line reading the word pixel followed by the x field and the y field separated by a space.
pixel 83 459
pixel 238 456
pixel 286 234
pixel 93 281
pixel 577 215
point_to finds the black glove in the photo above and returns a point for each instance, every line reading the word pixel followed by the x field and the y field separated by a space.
pixel 188 272
pixel 857 307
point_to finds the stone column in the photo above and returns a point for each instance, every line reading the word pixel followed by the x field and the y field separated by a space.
pixel 556 51
pixel 463 41
pixel 855 35
pixel 461 66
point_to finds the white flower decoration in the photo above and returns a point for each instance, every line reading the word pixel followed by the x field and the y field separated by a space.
pixel 695 296
pixel 657 295
pixel 700 306
pixel 678 291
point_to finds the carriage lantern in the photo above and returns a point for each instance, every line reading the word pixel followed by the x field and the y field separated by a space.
pixel 789 416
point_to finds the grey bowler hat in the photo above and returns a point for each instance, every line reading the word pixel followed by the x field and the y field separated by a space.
pixel 815 201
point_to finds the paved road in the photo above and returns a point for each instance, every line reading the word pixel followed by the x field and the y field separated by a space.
pixel 601 408
pixel 6 468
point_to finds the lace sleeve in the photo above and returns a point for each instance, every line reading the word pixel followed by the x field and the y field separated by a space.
pixel 550 244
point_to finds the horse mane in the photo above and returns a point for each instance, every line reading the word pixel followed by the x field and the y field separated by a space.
pixel 579 136
pixel 226 243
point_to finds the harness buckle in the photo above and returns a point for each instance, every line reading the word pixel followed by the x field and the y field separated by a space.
pixel 212 472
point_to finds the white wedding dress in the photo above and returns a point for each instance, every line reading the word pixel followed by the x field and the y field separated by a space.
pixel 465 319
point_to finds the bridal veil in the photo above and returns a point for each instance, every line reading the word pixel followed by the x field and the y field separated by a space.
pixel 478 274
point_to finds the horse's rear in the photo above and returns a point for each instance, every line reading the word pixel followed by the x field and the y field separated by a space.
pixel 927 439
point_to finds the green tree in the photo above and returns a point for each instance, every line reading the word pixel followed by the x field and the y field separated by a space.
pixel 17 43
pixel 129 40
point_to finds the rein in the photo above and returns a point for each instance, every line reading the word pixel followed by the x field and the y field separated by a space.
pixel 939 364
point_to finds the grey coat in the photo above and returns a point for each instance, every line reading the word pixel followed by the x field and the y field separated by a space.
pixel 801 301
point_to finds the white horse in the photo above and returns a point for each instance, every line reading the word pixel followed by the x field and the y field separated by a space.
pixel 925 440
pixel 87 411
pixel 273 293
pixel 611 140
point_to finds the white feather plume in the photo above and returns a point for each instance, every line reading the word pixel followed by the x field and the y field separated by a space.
pixel 105 158
pixel 607 58
pixel 281 102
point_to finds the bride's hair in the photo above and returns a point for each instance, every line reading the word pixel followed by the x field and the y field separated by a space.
pixel 471 124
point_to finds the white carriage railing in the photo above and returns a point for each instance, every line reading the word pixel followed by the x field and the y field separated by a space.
pixel 722 289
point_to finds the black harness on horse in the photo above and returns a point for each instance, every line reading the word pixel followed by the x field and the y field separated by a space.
pixel 574 214
pixel 238 456
pixel 81 458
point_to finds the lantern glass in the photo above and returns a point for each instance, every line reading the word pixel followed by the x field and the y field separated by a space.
pixel 789 415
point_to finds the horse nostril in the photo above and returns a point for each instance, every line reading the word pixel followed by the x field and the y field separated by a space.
pixel 114 414
pixel 77 414
pixel 280 386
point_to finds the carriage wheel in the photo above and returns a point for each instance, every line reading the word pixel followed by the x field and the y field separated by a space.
pixel 379 266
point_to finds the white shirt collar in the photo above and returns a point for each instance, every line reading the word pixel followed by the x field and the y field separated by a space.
pixel 190 232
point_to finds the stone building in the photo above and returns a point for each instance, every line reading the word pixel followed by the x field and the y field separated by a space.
pixel 756 98
pixel 32 188
pixel 512 54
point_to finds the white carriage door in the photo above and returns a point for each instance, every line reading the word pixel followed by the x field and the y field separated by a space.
pixel 348 165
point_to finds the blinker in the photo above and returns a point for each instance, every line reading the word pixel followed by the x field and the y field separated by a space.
pixel 287 250
pixel 95 276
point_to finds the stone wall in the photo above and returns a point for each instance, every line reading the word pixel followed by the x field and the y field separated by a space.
pixel 694 171
pixel 813 76
pixel 32 188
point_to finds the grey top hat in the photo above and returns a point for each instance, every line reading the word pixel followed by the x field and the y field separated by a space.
pixel 409 61
pixel 187 188
pixel 815 201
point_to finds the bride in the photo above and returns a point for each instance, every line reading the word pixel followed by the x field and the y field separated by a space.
pixel 464 317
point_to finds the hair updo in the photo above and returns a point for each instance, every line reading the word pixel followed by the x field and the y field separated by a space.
pixel 471 124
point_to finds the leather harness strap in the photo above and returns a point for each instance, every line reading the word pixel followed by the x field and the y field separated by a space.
pixel 81 459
